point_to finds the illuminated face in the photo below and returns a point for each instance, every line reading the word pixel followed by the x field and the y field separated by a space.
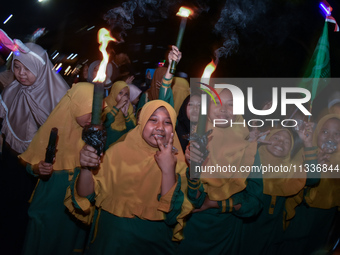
pixel 159 125
pixel 23 74
pixel 84 120
pixel 224 111
pixel 330 131
pixel 281 144
pixel 123 92
pixel 193 108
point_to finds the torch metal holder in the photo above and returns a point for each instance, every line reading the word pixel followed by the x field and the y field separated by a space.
pixel 95 136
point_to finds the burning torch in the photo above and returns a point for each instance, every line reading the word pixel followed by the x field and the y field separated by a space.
pixel 201 136
pixel 184 13
pixel 94 134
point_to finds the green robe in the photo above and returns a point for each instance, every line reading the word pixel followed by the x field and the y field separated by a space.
pixel 263 234
pixel 167 97
pixel 51 229
pixel 118 235
pixel 113 135
pixel 214 232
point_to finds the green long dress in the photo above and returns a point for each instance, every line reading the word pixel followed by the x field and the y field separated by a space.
pixel 51 229
pixel 264 233
pixel 118 235
pixel 215 232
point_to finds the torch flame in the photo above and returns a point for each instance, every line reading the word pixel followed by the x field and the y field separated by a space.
pixel 104 38
pixel 209 69
pixel 184 12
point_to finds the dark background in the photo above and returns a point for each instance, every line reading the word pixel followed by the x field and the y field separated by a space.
pixel 273 38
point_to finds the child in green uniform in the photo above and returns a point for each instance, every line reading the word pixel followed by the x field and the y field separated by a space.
pixel 138 189
pixel 51 229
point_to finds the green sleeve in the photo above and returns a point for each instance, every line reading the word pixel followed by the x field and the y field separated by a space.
pixel 195 186
pixel 90 197
pixel 113 135
pixel 176 204
pixel 142 101
pixel 130 123
pixel 110 117
pixel 168 96
pixel 29 169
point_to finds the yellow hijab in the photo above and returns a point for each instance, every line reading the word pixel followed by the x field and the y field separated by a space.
pixel 129 179
pixel 119 123
pixel 76 102
pixel 228 146
pixel 280 183
pixel 326 194
pixel 180 90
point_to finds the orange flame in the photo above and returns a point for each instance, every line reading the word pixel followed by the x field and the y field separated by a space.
pixel 184 12
pixel 209 69
pixel 104 38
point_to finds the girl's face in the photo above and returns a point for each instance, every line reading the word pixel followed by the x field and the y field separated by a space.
pixel 159 125
pixel 330 131
pixel 224 111
pixel 84 120
pixel 193 108
pixel 123 92
pixel 23 74
pixel 281 144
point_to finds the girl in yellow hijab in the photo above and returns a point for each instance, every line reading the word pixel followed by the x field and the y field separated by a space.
pixel 215 226
pixel 313 227
pixel 119 115
pixel 263 233
pixel 51 230
pixel 137 188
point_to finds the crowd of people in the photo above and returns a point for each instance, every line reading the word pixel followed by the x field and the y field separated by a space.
pixel 138 196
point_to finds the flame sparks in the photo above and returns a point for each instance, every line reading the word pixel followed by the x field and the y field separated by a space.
pixel 209 69
pixel 104 38
pixel 184 12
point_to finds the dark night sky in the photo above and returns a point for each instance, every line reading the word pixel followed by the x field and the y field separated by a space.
pixel 276 40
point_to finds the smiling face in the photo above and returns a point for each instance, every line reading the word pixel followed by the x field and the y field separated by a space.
pixel 159 125
pixel 193 108
pixel 224 111
pixel 23 74
pixel 123 92
pixel 84 120
pixel 281 144
pixel 330 131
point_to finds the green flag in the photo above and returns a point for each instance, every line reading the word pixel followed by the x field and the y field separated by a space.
pixel 318 67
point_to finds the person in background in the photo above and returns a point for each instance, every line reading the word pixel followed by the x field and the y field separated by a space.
pixel 25 105
pixel 161 82
pixel 222 199
pixel 119 116
pixel 51 228
pixel 135 93
pixel 314 227
pixel 187 118
pixel 6 75
pixel 92 73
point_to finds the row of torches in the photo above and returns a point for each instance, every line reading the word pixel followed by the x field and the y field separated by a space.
pixel 104 38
